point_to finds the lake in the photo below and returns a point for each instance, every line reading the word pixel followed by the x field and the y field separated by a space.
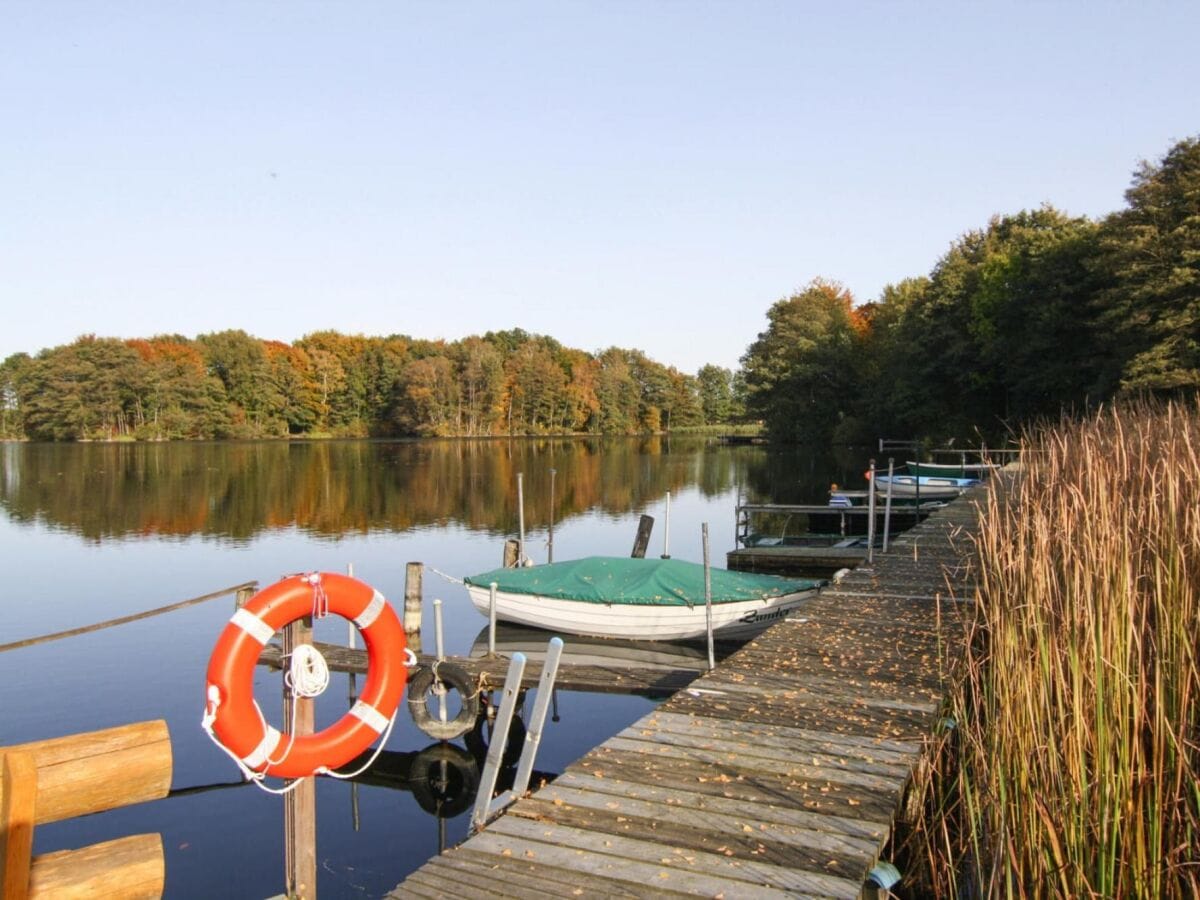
pixel 94 531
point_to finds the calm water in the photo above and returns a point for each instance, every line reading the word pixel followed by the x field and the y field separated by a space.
pixel 90 532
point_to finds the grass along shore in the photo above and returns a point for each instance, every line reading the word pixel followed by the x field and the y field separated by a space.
pixel 1071 761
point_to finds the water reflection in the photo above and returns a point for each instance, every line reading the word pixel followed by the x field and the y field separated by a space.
pixel 331 488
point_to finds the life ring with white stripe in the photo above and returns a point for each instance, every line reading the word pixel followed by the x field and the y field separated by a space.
pixel 234 716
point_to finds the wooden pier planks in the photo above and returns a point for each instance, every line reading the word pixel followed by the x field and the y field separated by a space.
pixel 778 774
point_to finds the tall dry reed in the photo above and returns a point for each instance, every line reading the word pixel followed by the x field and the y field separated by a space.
pixel 1075 767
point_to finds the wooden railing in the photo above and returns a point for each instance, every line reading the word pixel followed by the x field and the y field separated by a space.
pixel 50 780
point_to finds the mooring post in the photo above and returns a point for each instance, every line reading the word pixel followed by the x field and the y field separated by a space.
pixel 666 554
pixel 871 513
pixel 413 592
pixel 299 804
pixel 887 504
pixel 550 539
pixel 512 550
pixel 642 540
pixel 243 596
pixel 708 623
pixel 520 518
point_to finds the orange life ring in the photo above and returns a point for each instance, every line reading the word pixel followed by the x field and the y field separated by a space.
pixel 235 717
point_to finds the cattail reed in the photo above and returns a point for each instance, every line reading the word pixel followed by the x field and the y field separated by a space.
pixel 1074 769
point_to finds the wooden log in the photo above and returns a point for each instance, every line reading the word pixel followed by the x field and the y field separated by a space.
pixel 642 540
pixel 18 796
pixel 128 867
pixel 98 770
pixel 512 554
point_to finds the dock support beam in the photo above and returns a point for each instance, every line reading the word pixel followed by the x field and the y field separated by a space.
pixel 300 804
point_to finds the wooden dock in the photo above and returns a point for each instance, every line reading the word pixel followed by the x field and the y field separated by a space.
pixel 780 773
pixel 596 679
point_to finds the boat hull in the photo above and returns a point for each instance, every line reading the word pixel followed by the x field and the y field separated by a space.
pixel 645 622
pixel 951 470
pixel 927 487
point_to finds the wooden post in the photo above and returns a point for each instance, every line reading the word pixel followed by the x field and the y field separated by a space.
pixel 243 595
pixel 18 796
pixel 642 540
pixel 512 553
pixel 413 592
pixel 300 804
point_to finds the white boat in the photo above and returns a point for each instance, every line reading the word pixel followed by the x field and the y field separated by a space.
pixel 927 487
pixel 638 599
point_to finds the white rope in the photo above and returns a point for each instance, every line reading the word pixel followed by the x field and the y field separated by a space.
pixel 308 673
pixel 449 578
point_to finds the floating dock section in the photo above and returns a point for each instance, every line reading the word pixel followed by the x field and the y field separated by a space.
pixel 780 773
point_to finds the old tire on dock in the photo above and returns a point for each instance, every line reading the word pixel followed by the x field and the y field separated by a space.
pixel 231 714
pixel 443 780
pixel 451 677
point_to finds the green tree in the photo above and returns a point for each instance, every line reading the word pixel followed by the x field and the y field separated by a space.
pixel 1152 256
pixel 715 386
pixel 12 370
pixel 256 403
pixel 801 373
pixel 84 390
pixel 618 394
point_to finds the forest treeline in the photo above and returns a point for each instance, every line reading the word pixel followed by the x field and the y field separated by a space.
pixel 1037 313
pixel 230 384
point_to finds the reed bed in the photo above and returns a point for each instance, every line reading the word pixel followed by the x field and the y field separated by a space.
pixel 1074 769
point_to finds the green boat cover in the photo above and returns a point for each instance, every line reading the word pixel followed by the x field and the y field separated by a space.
pixel 646 582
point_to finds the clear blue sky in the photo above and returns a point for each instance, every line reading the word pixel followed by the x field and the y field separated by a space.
pixel 650 175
